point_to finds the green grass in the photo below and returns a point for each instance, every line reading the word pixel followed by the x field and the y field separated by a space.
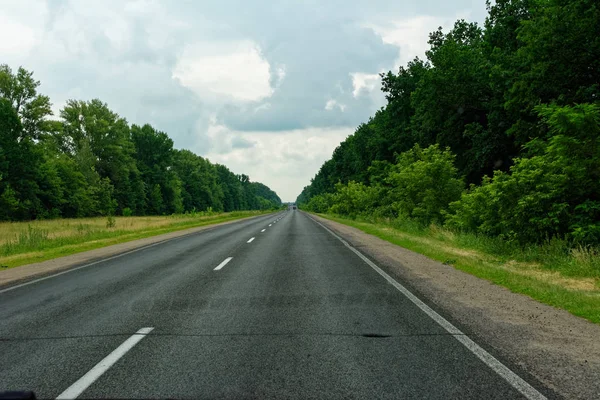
pixel 551 273
pixel 24 243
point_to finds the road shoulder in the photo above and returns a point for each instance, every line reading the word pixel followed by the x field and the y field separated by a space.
pixel 560 350
pixel 29 272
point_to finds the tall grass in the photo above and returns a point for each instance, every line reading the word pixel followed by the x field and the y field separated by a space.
pixel 553 255
pixel 28 239
pixel 23 242
pixel 553 272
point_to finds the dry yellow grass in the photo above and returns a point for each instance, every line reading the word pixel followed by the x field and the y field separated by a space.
pixel 442 240
pixel 553 277
pixel 61 228
pixel 34 241
pixel 549 272
pixel 436 242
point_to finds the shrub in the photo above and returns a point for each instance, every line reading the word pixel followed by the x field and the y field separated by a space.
pixel 320 203
pixel 423 183
pixel 110 222
pixel 553 193
pixel 354 199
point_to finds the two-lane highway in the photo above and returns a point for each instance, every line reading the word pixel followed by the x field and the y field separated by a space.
pixel 272 307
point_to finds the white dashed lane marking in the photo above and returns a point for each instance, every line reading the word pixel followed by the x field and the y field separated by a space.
pixel 93 374
pixel 224 263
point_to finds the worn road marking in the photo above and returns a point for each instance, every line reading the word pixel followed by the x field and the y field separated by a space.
pixel 93 374
pixel 513 379
pixel 250 241
pixel 224 263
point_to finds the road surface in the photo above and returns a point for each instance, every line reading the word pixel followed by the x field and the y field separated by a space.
pixel 271 307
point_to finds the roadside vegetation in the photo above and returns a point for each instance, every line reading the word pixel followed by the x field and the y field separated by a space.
pixel 34 241
pixel 490 145
pixel 88 161
pixel 553 273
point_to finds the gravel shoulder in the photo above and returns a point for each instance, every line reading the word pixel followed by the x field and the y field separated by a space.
pixel 28 272
pixel 558 349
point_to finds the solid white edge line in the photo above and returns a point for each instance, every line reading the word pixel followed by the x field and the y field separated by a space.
pixel 223 263
pixel 8 289
pixel 250 241
pixel 513 379
pixel 96 372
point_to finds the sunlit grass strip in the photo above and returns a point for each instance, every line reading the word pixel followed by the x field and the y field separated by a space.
pixel 551 274
pixel 28 242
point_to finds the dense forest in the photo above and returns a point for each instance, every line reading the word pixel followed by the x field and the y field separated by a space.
pixel 497 132
pixel 91 162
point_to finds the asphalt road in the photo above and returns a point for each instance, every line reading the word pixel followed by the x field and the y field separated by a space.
pixel 294 313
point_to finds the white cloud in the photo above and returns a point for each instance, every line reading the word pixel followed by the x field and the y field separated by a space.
pixel 118 32
pixel 262 107
pixel 16 37
pixel 285 161
pixel 21 28
pixel 362 83
pixel 174 64
pixel 234 70
pixel 410 35
pixel 331 104
pixel 280 72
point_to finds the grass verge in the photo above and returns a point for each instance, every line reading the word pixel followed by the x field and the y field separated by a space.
pixel 551 273
pixel 28 242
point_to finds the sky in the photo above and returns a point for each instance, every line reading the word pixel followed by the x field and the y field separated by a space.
pixel 267 88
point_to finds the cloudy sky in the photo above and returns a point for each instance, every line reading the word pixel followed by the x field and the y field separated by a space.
pixel 268 88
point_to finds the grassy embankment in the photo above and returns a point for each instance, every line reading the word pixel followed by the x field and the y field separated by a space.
pixel 551 273
pixel 34 241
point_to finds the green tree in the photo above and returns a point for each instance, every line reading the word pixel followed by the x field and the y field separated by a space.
pixel 20 90
pixel 93 124
pixel 233 192
pixel 91 163
pixel 19 164
pixel 558 60
pixel 554 193
pixel 154 158
pixel 200 187
pixel 79 197
pixel 155 200
pixel 423 183
pixel 352 199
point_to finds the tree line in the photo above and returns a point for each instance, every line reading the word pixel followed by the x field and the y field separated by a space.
pixel 91 162
pixel 496 132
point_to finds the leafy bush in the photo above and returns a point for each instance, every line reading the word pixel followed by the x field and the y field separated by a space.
pixel 354 199
pixel 127 212
pixel 553 193
pixel 419 186
pixel 111 222
pixel 423 183
pixel 320 203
